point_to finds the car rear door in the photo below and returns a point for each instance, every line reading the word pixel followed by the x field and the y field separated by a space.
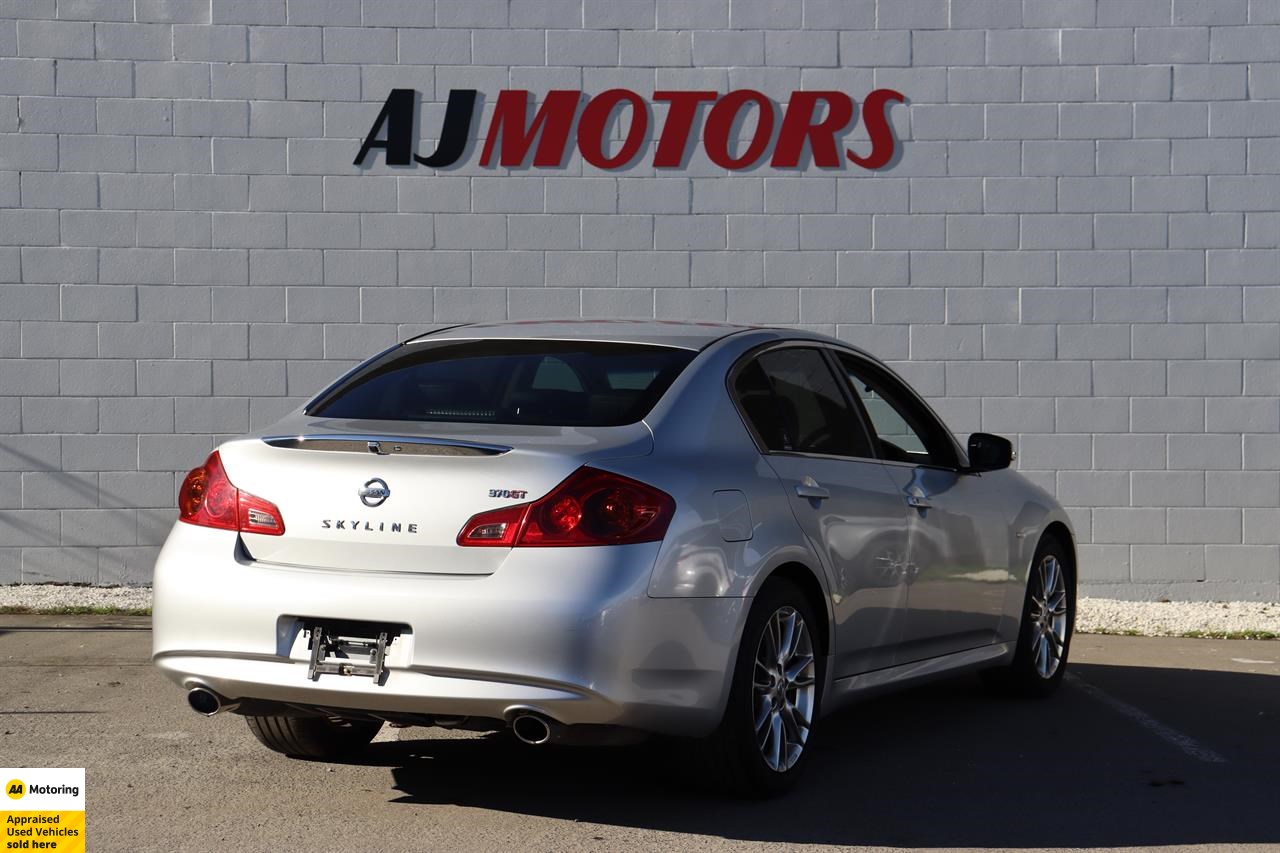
pixel 846 503
pixel 958 538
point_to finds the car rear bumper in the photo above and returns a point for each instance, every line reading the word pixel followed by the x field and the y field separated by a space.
pixel 569 633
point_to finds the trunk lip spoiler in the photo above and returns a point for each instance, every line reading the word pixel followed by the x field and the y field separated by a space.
pixel 374 441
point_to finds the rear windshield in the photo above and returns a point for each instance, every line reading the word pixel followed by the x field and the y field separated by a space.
pixel 550 383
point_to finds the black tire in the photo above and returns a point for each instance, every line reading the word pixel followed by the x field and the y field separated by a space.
pixel 735 753
pixel 321 738
pixel 1025 676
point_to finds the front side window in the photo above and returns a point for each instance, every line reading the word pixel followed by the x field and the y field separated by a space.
pixel 904 431
pixel 546 383
pixel 794 404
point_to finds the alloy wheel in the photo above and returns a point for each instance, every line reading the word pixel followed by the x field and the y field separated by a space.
pixel 784 686
pixel 1048 616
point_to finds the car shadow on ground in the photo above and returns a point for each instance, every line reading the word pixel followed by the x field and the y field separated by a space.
pixel 940 766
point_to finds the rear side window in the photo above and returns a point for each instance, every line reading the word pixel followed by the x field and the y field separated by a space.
pixel 794 403
pixel 547 383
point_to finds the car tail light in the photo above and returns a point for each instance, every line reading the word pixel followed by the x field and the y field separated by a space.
pixel 209 499
pixel 591 507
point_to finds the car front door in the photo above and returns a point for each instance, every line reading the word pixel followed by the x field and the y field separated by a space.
pixel 958 549
pixel 847 504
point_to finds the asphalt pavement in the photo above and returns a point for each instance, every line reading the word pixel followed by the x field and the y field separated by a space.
pixel 1152 742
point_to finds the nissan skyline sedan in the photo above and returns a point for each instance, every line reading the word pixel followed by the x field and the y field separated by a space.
pixel 595 531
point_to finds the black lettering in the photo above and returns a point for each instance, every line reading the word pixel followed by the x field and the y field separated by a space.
pixel 395 527
pixel 454 132
pixel 397 114
pixel 325 524
pixel 341 525
pixel 413 528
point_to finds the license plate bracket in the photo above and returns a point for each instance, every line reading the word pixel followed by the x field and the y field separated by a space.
pixel 339 650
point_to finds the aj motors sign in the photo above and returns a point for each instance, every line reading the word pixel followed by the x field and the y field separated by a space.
pixel 818 118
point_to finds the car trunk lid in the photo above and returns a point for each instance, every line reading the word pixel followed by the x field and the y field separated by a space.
pixel 393 496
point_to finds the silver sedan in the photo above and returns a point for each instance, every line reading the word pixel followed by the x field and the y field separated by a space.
pixel 593 531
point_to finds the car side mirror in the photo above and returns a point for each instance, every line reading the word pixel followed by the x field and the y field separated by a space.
pixel 989 452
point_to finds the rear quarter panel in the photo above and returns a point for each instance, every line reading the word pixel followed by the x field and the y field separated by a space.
pixel 701 448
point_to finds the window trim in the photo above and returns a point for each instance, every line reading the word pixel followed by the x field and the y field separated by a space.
pixel 822 348
pixel 329 391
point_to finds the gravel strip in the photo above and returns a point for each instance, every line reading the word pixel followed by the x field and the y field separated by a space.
pixel 1095 616
pixel 58 596
pixel 1176 618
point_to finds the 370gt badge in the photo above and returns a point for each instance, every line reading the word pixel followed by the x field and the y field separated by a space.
pixel 518 494
pixel 374 492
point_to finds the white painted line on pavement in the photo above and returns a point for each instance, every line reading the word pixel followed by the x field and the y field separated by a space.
pixel 1186 743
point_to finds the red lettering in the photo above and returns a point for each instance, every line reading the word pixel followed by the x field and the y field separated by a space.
pixel 875 116
pixel 720 126
pixel 674 138
pixel 551 123
pixel 798 125
pixel 595 119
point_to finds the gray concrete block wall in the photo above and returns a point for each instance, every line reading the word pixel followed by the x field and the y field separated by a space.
pixel 1079 247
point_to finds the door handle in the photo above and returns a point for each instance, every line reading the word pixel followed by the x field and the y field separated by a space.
pixel 809 488
pixel 918 502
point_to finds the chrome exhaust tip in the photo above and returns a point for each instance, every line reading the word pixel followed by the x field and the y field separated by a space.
pixel 207 703
pixel 531 729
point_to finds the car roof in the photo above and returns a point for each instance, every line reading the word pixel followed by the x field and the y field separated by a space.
pixel 671 333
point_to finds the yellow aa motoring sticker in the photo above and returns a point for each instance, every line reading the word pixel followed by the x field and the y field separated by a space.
pixel 43 809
